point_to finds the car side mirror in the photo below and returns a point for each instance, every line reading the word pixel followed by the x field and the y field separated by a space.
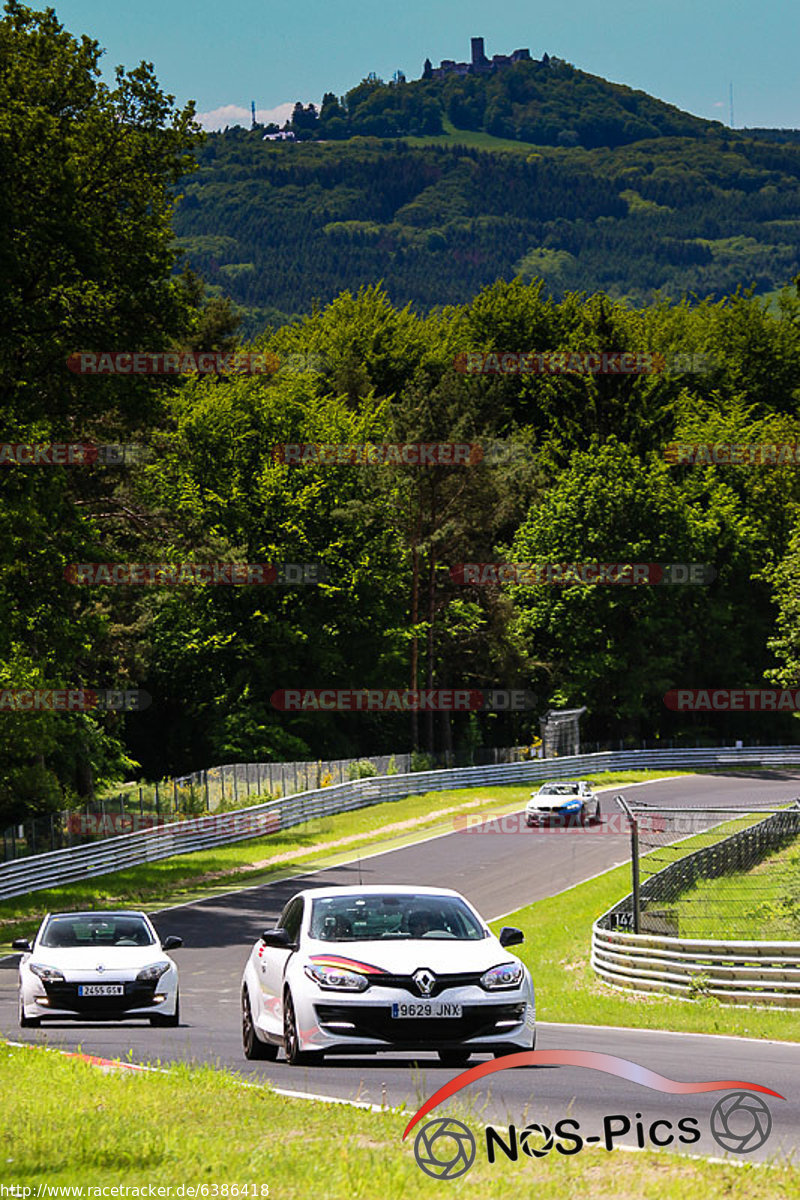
pixel 172 942
pixel 509 936
pixel 20 944
pixel 277 938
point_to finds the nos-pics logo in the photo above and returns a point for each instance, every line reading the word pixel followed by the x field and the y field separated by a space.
pixel 445 1148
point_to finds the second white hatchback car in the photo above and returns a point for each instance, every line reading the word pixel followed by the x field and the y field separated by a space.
pixel 97 966
pixel 361 969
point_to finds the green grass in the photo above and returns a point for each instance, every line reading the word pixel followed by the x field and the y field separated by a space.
pixel 557 951
pixel 765 901
pixel 189 876
pixel 475 140
pixel 66 1123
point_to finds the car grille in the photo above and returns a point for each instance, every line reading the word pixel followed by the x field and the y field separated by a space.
pixel 406 983
pixel 376 1021
pixel 65 995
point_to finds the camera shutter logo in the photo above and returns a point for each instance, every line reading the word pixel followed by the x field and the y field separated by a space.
pixel 533 1131
pixel 741 1122
pixel 444 1148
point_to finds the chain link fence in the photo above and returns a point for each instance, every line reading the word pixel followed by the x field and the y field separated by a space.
pixel 713 873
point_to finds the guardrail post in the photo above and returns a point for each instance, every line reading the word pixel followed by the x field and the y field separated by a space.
pixel 634 824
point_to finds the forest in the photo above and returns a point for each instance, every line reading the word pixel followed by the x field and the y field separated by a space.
pixel 89 263
pixel 278 227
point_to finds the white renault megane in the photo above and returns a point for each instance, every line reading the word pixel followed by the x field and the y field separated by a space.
pixel 97 966
pixel 363 969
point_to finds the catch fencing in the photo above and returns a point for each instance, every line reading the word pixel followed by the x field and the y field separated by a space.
pixel 39 871
pixel 217 789
pixel 719 911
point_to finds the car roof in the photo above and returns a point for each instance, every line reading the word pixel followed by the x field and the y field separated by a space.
pixel 99 912
pixel 390 889
pixel 548 782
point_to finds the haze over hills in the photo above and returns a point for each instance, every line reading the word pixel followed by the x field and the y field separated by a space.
pixel 439 186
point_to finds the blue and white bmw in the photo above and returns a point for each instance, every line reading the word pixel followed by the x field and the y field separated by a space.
pixel 361 969
pixel 566 801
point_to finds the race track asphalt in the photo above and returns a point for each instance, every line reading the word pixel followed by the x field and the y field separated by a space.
pixel 498 872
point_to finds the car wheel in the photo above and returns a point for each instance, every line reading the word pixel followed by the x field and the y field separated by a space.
pixel 291 1039
pixel 454 1058
pixel 596 817
pixel 251 1042
pixel 27 1022
pixel 169 1020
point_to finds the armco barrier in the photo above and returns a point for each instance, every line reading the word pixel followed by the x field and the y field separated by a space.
pixel 40 871
pixel 733 971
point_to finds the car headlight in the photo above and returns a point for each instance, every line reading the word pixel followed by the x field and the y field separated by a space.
pixel 336 978
pixel 152 973
pixel 506 975
pixel 46 974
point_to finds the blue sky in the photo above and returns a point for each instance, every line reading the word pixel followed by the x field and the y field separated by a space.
pixel 223 55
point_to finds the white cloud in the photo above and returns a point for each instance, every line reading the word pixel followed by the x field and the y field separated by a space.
pixel 234 114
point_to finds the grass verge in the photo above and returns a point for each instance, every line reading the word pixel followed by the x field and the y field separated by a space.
pixel 69 1124
pixel 319 843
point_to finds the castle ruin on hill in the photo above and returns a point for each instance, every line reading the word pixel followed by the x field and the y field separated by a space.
pixel 479 64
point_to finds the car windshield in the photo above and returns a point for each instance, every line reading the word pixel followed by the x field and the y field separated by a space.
pixel 385 917
pixel 559 789
pixel 71 932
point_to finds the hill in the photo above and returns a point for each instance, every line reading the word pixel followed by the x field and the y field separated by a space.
pixel 549 102
pixel 279 225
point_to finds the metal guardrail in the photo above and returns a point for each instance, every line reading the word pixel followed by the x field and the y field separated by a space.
pixel 218 789
pixel 733 971
pixel 182 837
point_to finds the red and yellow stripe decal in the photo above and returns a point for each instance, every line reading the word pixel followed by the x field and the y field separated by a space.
pixel 345 964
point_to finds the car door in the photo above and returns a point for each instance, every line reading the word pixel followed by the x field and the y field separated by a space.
pixel 273 966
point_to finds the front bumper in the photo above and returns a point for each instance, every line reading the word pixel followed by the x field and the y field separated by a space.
pixel 61 1001
pixel 565 817
pixel 337 1024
